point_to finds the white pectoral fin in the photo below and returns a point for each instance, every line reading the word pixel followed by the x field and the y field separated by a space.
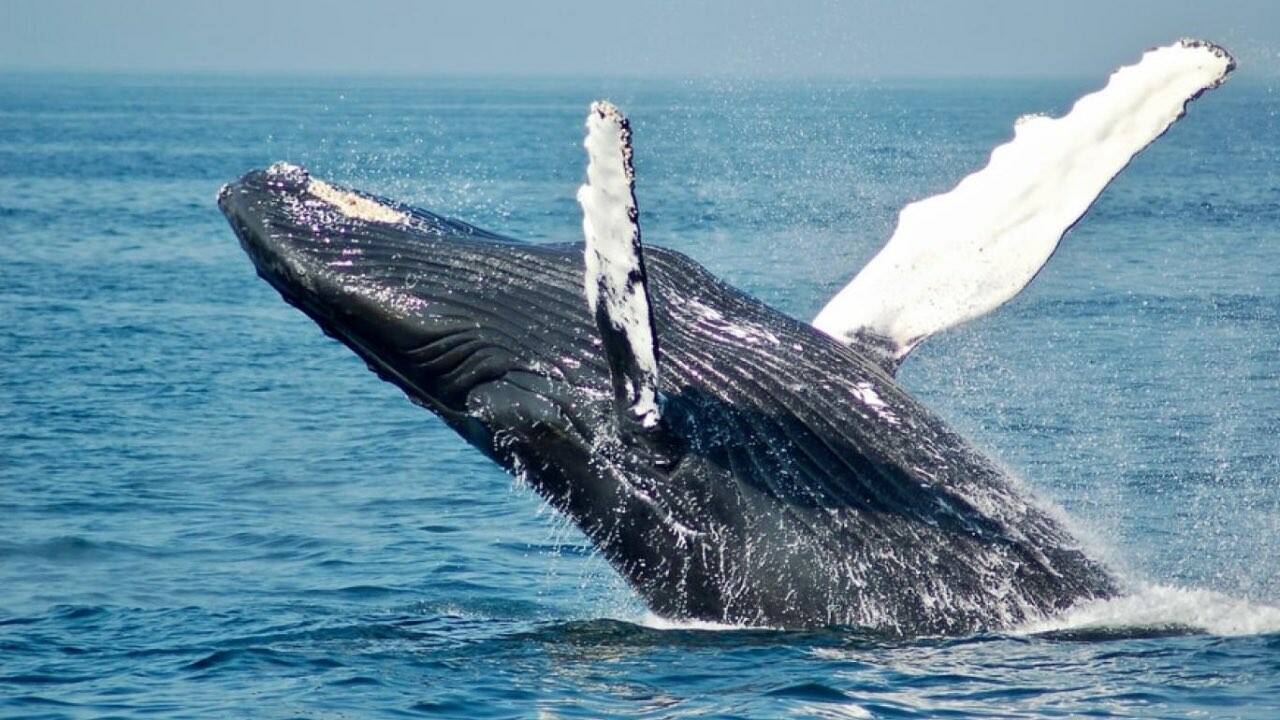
pixel 961 254
pixel 615 280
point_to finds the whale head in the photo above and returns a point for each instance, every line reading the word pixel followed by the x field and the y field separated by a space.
pixel 436 306
pixel 491 334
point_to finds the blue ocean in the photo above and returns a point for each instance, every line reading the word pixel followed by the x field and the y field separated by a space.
pixel 209 509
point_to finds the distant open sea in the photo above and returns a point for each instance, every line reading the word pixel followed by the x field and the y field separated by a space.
pixel 208 509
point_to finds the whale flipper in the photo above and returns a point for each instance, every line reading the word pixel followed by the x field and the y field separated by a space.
pixel 615 281
pixel 961 254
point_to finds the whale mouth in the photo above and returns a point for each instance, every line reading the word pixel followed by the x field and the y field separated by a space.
pixel 431 304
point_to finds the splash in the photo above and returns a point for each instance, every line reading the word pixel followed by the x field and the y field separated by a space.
pixel 1166 606
pixel 657 622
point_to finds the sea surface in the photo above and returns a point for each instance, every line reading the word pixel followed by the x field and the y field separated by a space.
pixel 208 509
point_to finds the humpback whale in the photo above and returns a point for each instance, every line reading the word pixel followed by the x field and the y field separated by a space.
pixel 733 463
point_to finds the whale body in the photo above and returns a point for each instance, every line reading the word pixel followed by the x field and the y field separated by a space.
pixel 801 486
pixel 734 464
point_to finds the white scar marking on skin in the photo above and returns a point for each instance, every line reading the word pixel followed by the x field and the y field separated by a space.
pixel 355 206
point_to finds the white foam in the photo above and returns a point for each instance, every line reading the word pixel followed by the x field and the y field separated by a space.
pixel 715 320
pixel 657 622
pixel 832 711
pixel 1151 607
pixel 961 254
pixel 866 394
pixel 1164 606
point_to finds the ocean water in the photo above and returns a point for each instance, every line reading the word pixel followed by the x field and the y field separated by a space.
pixel 211 510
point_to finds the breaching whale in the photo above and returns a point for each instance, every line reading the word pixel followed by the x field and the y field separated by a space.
pixel 732 463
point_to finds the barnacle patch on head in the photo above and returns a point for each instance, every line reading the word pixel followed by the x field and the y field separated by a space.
pixel 354 205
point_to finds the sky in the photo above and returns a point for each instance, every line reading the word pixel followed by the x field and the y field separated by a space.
pixel 662 38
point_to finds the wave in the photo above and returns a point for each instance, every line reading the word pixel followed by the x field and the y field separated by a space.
pixel 654 621
pixel 1166 607
pixel 1153 608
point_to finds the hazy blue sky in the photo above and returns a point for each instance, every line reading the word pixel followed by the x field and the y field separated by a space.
pixel 561 37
